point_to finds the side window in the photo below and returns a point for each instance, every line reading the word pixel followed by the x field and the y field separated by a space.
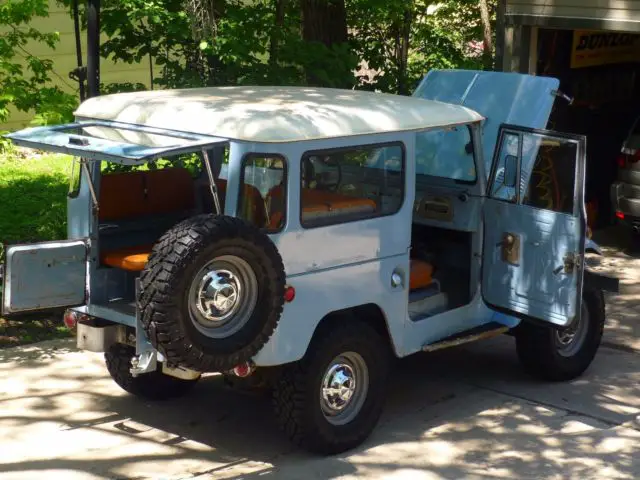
pixel 551 183
pixel 351 184
pixel 536 170
pixel 446 154
pixel 263 196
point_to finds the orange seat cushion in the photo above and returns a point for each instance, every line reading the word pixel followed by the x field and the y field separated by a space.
pixel 132 259
pixel 420 274
pixel 317 204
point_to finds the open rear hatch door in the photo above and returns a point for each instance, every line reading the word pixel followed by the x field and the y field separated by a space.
pixel 501 97
pixel 112 141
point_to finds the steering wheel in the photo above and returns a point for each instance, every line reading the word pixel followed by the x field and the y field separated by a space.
pixel 331 162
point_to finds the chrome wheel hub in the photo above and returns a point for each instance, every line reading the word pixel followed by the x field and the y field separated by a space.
pixel 344 388
pixel 222 296
pixel 570 340
pixel 218 295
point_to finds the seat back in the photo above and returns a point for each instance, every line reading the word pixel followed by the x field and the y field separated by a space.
pixel 129 195
pixel 253 207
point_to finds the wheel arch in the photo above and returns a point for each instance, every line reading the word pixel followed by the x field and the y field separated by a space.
pixel 370 313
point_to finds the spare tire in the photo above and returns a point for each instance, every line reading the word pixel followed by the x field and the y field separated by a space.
pixel 211 293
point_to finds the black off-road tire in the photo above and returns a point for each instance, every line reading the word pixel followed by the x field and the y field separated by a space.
pixel 296 394
pixel 538 351
pixel 164 285
pixel 150 386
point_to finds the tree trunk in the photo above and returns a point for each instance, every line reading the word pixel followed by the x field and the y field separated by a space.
pixel 325 22
pixel 276 34
pixel 487 44
pixel 402 49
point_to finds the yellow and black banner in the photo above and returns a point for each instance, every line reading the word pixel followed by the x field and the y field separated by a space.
pixel 592 48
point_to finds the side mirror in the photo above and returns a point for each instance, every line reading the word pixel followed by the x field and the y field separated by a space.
pixel 510 171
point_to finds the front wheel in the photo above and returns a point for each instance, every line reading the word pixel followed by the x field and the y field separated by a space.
pixel 331 401
pixel 555 354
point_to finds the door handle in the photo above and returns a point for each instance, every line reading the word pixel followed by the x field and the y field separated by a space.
pixel 510 248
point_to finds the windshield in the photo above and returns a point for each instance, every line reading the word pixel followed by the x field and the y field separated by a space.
pixel 446 154
pixel 633 142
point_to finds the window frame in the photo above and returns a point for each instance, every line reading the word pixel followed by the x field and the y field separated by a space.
pixel 474 153
pixel 285 183
pixel 328 151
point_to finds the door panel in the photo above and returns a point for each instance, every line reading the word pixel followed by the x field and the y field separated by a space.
pixel 45 275
pixel 535 225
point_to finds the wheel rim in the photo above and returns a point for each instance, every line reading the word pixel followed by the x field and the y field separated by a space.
pixel 223 296
pixel 344 388
pixel 570 340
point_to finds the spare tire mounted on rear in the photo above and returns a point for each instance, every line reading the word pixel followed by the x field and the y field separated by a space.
pixel 212 293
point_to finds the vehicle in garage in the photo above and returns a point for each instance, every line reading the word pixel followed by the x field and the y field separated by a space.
pixel 302 237
pixel 625 193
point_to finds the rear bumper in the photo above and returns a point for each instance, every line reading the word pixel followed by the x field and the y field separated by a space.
pixel 625 202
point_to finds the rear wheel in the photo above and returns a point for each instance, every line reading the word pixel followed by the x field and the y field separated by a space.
pixel 150 386
pixel 563 354
pixel 331 401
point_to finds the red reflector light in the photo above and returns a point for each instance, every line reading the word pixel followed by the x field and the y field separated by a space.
pixel 622 161
pixel 620 215
pixel 70 319
pixel 243 370
pixel 289 294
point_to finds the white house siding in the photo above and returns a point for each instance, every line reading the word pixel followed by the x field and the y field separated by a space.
pixel 64 60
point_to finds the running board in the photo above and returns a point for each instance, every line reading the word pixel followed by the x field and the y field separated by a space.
pixel 492 329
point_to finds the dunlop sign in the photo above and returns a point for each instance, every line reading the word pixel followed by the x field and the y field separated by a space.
pixel 592 48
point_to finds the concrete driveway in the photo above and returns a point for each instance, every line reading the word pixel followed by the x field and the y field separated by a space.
pixel 465 413
pixel 468 412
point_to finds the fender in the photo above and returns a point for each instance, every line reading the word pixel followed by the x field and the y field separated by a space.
pixel 593 247
pixel 598 281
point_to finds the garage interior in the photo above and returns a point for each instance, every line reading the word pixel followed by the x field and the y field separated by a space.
pixel 600 71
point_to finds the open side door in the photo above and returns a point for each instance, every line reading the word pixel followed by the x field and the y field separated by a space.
pixel 45 275
pixel 535 225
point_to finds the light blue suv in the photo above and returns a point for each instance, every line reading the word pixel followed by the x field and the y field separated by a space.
pixel 299 238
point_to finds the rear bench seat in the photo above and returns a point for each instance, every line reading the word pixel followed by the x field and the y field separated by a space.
pixel 135 195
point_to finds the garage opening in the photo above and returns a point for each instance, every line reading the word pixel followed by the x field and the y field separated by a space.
pixel 600 71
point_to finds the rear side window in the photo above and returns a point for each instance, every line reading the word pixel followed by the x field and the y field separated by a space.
pixel 350 184
pixel 263 196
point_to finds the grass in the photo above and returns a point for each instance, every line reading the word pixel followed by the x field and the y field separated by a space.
pixel 22 332
pixel 33 197
pixel 33 200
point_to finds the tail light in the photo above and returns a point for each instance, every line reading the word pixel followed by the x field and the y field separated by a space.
pixel 620 215
pixel 289 293
pixel 70 319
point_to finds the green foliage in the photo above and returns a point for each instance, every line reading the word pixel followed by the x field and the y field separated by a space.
pixel 22 75
pixel 247 43
pixel 35 187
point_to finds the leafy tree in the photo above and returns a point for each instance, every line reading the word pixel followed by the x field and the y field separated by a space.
pixel 25 80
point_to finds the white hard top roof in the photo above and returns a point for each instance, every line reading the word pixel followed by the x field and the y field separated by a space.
pixel 275 114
